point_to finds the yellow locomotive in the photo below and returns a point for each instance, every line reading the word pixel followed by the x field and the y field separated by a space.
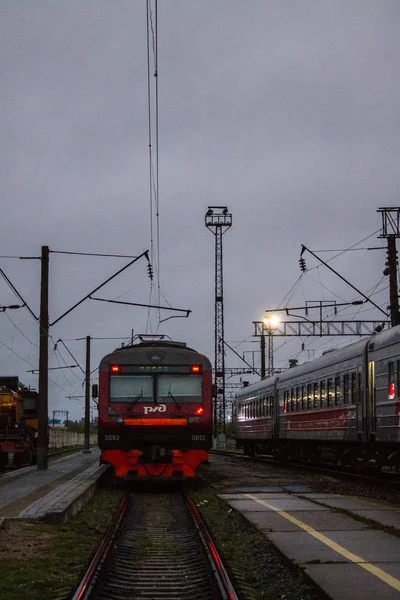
pixel 18 424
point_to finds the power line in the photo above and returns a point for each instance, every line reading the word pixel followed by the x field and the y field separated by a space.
pixel 93 254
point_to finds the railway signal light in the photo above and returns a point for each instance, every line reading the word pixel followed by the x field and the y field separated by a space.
pixel 302 264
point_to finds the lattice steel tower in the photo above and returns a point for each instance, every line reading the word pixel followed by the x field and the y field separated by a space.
pixel 219 220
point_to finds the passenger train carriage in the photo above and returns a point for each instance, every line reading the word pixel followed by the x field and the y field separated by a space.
pixel 155 410
pixel 343 407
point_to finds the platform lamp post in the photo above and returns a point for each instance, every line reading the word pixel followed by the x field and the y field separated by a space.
pixel 218 220
pixel 269 325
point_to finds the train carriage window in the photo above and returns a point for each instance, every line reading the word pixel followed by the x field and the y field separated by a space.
pixel 346 388
pixel 329 387
pixel 131 388
pixel 398 378
pixel 337 391
pixel 292 399
pixel 288 403
pixel 303 397
pixel 316 395
pixel 391 384
pixel 270 406
pixel 359 387
pixel 354 395
pixel 309 396
pixel 298 405
pixel 322 397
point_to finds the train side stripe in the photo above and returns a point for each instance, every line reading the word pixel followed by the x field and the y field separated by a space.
pixel 392 581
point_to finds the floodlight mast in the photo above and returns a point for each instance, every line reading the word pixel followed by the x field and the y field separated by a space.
pixel 219 220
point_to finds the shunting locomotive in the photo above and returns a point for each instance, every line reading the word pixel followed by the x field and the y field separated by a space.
pixel 18 424
pixel 155 409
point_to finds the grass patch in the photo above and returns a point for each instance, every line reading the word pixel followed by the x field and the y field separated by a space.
pixel 45 562
pixel 259 570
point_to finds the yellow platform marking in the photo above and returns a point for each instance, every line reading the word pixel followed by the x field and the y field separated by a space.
pixel 392 581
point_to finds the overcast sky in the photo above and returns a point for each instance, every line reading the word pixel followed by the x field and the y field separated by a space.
pixel 286 111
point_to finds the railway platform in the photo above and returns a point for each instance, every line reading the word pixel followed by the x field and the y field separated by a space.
pixel 54 494
pixel 347 546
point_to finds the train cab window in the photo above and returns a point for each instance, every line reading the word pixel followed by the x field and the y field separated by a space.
pixel 131 388
pixel 286 401
pixel 346 388
pixel 179 388
pixel 329 389
pixel 322 396
pixel 337 391
pixel 29 404
pixel 391 383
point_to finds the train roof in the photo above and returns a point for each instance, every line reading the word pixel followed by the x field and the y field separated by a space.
pixel 385 338
pixel 177 352
pixel 255 387
pixel 375 342
pixel 333 356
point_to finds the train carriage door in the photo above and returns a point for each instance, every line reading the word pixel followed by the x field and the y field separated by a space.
pixel 371 392
pixel 275 411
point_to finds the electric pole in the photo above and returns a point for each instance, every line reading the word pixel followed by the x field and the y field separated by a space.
pixel 390 231
pixel 219 220
pixel 42 450
pixel 86 443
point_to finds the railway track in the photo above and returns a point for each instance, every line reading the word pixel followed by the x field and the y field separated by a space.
pixel 157 547
pixel 381 478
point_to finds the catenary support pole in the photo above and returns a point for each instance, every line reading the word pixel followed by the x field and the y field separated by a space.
pixel 42 450
pixel 86 444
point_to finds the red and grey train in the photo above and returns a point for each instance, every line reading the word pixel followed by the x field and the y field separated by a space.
pixel 342 408
pixel 155 410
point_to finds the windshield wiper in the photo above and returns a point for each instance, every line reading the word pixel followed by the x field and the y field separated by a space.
pixel 135 400
pixel 178 406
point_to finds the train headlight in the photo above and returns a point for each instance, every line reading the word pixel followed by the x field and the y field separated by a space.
pixel 114 415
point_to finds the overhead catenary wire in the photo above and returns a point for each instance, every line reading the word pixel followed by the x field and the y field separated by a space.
pixel 153 139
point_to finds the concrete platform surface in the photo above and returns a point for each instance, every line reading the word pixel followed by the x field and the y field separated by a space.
pixel 53 494
pixel 347 558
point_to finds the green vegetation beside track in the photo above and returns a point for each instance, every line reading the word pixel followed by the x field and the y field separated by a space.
pixel 45 562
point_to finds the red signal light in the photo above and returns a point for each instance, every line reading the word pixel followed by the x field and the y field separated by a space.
pixel 196 369
pixel 115 368
pixel 200 411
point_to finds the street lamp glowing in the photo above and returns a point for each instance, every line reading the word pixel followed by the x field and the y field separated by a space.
pixel 271 322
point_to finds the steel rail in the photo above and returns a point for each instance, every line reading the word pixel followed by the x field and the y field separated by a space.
pixel 215 559
pixel 384 478
pixel 87 581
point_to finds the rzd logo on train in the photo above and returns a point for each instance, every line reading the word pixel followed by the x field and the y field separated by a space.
pixel 156 408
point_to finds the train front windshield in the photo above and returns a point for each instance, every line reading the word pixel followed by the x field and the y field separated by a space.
pixel 161 387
